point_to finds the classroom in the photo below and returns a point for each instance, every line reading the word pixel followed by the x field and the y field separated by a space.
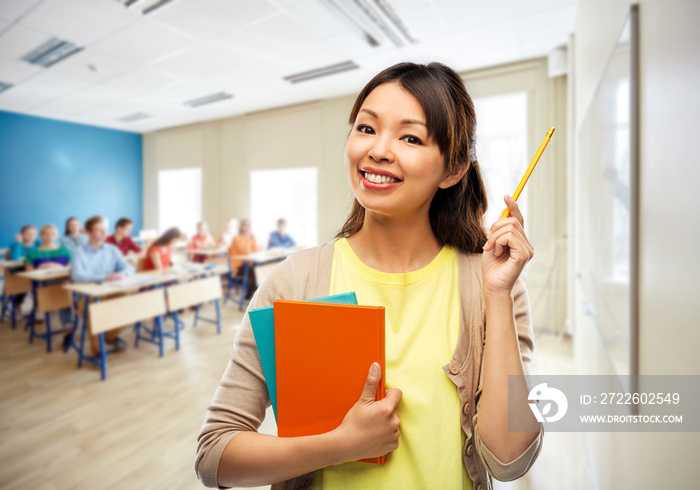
pixel 225 260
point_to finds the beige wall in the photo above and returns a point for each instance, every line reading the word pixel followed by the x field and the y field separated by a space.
pixel 669 267
pixel 308 135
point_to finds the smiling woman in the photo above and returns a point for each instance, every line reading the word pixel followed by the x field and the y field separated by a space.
pixel 415 244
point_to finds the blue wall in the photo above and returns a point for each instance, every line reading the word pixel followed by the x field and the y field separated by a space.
pixel 50 170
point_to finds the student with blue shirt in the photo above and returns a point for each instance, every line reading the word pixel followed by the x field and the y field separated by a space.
pixel 279 239
pixel 25 242
pixel 97 261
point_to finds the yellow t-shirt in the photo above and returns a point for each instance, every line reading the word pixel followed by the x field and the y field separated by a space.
pixel 422 325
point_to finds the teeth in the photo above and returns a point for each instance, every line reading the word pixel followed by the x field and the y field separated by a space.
pixel 379 179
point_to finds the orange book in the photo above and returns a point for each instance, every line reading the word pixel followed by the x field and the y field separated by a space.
pixel 323 353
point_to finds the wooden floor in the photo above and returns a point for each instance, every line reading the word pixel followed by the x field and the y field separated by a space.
pixel 63 428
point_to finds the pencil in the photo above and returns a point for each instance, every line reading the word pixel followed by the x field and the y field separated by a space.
pixel 529 170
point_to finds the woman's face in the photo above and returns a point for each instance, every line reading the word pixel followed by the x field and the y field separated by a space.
pixel 74 227
pixel 393 167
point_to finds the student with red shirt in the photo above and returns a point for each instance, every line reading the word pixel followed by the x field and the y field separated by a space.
pixel 122 237
pixel 158 254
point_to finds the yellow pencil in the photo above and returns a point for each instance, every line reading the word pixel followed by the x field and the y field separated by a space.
pixel 529 170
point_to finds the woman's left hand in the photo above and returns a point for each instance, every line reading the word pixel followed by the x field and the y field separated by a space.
pixel 506 252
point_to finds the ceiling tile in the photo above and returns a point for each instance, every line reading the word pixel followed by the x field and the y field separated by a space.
pixel 12 9
pixel 555 21
pixel 535 6
pixel 424 23
pixel 142 80
pixel 84 100
pixel 81 21
pixel 487 38
pixel 18 41
pixel 318 19
pixel 542 47
pixel 12 71
pixel 277 34
pixel 95 65
pixel 196 61
pixel 288 4
pixel 54 84
pixel 204 19
pixel 19 98
pixel 145 41
pixel 461 15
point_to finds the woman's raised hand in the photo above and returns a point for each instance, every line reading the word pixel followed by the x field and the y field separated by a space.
pixel 506 252
pixel 371 427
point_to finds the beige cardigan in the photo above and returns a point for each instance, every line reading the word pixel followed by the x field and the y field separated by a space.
pixel 241 400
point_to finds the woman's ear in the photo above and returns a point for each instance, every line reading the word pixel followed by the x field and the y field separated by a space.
pixel 454 177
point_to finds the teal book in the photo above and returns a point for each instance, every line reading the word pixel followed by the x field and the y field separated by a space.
pixel 263 322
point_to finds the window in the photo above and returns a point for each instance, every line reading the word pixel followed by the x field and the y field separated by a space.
pixel 619 182
pixel 179 199
pixel 501 145
pixel 285 193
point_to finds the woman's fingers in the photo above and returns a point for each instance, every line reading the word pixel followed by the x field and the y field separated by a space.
pixel 514 209
pixel 511 237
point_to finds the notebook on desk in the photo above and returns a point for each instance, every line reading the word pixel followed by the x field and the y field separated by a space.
pixel 135 280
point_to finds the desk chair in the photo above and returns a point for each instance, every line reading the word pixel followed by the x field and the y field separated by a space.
pixel 114 313
pixel 195 293
pixel 50 298
pixel 234 284
pixel 14 285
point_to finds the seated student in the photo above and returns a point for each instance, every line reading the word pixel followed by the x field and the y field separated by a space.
pixel 279 239
pixel 73 237
pixel 242 244
pixel 122 237
pixel 201 240
pixel 25 241
pixel 158 254
pixel 97 261
pixel 229 232
pixel 49 255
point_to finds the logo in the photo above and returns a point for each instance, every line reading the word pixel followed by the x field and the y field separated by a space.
pixel 542 393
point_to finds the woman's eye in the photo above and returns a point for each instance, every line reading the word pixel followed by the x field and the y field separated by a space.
pixel 412 139
pixel 363 128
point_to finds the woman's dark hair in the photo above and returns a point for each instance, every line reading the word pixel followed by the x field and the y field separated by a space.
pixel 168 236
pixel 456 213
pixel 67 232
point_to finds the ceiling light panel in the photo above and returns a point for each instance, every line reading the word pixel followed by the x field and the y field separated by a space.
pixel 321 72
pixel 51 52
pixel 136 116
pixel 5 86
pixel 375 21
pixel 209 99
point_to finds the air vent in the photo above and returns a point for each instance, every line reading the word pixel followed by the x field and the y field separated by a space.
pixel 145 7
pixel 209 99
pixel 136 116
pixel 373 20
pixel 5 86
pixel 322 72
pixel 51 52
